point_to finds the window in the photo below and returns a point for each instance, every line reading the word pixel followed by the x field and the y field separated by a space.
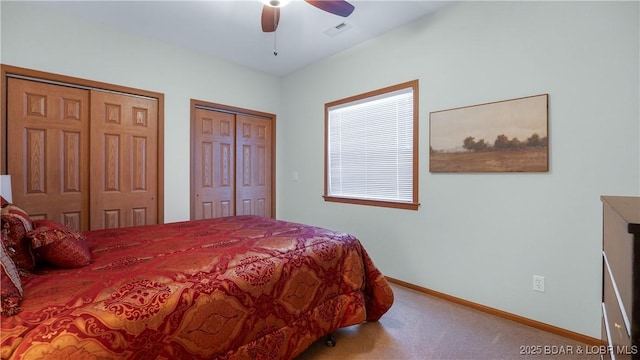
pixel 371 148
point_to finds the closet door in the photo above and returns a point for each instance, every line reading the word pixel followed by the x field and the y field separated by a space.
pixel 123 160
pixel 48 150
pixel 213 189
pixel 231 168
pixel 253 167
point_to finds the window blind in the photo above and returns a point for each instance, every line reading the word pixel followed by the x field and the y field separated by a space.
pixel 370 148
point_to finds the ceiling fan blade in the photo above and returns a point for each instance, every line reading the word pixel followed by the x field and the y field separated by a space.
pixel 336 7
pixel 270 18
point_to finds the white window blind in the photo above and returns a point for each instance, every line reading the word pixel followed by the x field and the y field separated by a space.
pixel 370 148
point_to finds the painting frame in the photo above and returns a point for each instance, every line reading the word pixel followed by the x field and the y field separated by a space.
pixel 501 136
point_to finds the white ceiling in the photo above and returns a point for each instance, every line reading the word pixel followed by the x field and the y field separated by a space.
pixel 231 30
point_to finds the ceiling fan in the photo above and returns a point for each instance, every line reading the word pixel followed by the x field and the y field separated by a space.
pixel 271 10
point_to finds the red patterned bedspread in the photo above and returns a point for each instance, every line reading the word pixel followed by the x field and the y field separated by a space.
pixel 236 287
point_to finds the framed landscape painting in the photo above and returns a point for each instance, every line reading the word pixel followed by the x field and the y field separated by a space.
pixel 502 136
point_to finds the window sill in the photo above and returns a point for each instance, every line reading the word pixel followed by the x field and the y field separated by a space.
pixel 389 204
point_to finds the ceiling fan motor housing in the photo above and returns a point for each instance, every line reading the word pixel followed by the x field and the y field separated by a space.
pixel 271 10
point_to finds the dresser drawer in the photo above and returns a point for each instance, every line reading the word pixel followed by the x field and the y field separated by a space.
pixel 605 333
pixel 619 246
pixel 621 276
pixel 613 314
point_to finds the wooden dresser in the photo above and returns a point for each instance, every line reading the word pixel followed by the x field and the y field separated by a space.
pixel 621 277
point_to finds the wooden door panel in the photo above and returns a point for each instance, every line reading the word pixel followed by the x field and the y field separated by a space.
pixel 48 150
pixel 254 148
pixel 124 165
pixel 214 165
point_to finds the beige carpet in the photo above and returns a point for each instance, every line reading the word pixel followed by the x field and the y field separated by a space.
pixel 419 326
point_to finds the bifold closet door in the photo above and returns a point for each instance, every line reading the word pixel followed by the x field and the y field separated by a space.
pixel 231 165
pixel 123 160
pixel 48 150
pixel 253 166
pixel 214 170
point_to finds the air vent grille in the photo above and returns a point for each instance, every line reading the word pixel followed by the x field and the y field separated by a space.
pixel 340 28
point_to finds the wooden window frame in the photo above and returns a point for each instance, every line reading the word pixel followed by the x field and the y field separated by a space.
pixel 414 204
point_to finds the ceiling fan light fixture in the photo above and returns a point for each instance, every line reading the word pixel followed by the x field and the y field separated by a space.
pixel 276 3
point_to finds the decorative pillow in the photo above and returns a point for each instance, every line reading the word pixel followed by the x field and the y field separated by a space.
pixel 15 225
pixel 10 285
pixel 59 245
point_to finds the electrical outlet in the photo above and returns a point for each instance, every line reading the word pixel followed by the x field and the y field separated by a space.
pixel 538 283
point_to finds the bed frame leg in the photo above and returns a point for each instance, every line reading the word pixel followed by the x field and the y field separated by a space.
pixel 330 340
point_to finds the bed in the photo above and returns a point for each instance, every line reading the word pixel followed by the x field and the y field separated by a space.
pixel 242 287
